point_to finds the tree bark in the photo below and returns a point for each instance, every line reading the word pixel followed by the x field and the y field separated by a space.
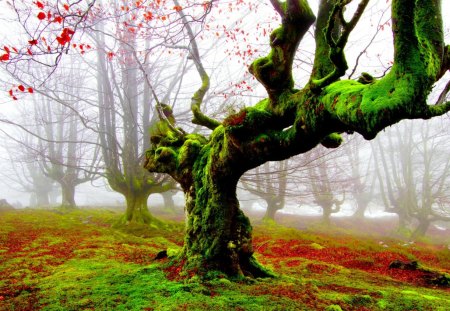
pixel 218 234
pixel 41 198
pixel 421 229
pixel 68 195
pixel 137 209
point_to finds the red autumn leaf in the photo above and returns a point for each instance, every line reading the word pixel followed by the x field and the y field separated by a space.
pixel 41 15
pixel 65 36
pixel 177 8
pixel 29 52
pixel 33 42
pixel 21 88
pixel 61 40
pixel 4 57
pixel 30 90
pixel 6 49
pixel 14 97
pixel 39 4
pixel 58 19
pixel 148 16
pixel 10 92
pixel 66 6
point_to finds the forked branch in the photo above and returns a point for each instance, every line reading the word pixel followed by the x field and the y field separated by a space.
pixel 274 71
pixel 337 55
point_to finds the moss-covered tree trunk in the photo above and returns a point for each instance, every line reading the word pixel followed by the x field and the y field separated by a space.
pixel 218 234
pixel 137 209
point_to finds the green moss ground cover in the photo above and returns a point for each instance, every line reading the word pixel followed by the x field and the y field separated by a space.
pixel 76 260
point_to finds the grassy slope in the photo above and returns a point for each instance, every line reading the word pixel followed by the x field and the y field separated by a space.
pixel 76 261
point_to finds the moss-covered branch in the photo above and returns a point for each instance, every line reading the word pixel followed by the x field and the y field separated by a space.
pixel 274 71
pixel 336 20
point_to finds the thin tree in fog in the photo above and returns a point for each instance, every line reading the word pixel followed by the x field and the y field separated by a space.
pixel 413 172
pixel 24 174
pixel 361 178
pixel 269 182
pixel 326 182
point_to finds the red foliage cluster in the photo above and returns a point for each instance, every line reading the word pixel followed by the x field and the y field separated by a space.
pixel 12 92
pixel 374 262
pixel 173 270
pixel 306 294
pixel 235 119
pixel 65 36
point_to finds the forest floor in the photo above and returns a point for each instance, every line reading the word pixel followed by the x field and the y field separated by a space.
pixel 75 260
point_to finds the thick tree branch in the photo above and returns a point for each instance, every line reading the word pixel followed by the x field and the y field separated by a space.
pixel 274 71
pixel 337 45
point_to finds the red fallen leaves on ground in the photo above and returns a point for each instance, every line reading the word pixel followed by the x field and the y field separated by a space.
pixel 375 262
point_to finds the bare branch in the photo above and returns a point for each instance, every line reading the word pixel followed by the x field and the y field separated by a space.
pixel 443 94
pixel 197 98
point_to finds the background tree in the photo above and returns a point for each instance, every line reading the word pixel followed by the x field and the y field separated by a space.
pixel 361 177
pixel 413 173
pixel 327 183
pixel 62 149
pixel 24 175
pixel 269 182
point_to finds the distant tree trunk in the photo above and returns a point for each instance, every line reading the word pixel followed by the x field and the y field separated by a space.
pixel 421 229
pixel 169 203
pixel 362 202
pixel 273 206
pixel 41 198
pixel 326 214
pixel 68 194
pixel 137 209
